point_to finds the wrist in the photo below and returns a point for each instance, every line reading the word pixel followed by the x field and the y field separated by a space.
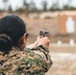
pixel 44 48
pixel 47 47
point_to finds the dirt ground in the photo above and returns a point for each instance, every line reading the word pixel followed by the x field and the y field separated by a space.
pixel 64 61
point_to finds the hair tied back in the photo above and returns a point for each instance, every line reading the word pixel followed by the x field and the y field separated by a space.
pixel 5 42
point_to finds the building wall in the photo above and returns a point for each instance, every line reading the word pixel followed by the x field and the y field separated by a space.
pixel 61 23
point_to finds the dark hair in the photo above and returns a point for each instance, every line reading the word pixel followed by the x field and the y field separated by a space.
pixel 12 28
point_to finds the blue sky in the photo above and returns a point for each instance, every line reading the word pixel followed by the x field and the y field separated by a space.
pixel 18 3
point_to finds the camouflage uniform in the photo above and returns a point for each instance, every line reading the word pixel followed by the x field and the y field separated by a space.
pixel 26 62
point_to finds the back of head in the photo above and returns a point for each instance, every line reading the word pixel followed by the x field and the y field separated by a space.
pixel 12 28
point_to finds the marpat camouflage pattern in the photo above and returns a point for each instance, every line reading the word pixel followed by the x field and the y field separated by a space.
pixel 27 62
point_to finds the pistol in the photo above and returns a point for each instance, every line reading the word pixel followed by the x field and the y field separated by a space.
pixel 44 33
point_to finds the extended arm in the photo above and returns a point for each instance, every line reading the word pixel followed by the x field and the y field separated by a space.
pixel 42 58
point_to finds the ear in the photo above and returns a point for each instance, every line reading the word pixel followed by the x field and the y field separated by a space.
pixel 22 42
pixel 24 39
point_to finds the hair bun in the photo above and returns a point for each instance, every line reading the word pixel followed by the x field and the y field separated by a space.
pixel 5 42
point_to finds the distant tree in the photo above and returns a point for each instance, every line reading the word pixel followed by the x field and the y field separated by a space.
pixel 44 4
pixel 55 6
pixel 32 6
pixel 20 10
pixel 25 5
pixel 66 7
pixel 10 9
pixel 72 8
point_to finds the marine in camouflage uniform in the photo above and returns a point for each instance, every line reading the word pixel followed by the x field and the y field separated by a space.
pixel 27 62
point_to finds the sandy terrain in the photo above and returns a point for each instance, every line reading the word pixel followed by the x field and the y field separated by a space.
pixel 64 60
pixel 63 64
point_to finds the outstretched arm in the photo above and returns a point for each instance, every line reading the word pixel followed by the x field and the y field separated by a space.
pixel 42 58
pixel 44 41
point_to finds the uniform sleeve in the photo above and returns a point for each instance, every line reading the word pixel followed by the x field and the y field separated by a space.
pixel 43 52
pixel 36 62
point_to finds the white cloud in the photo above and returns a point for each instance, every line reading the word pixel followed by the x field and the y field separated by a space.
pixel 16 3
